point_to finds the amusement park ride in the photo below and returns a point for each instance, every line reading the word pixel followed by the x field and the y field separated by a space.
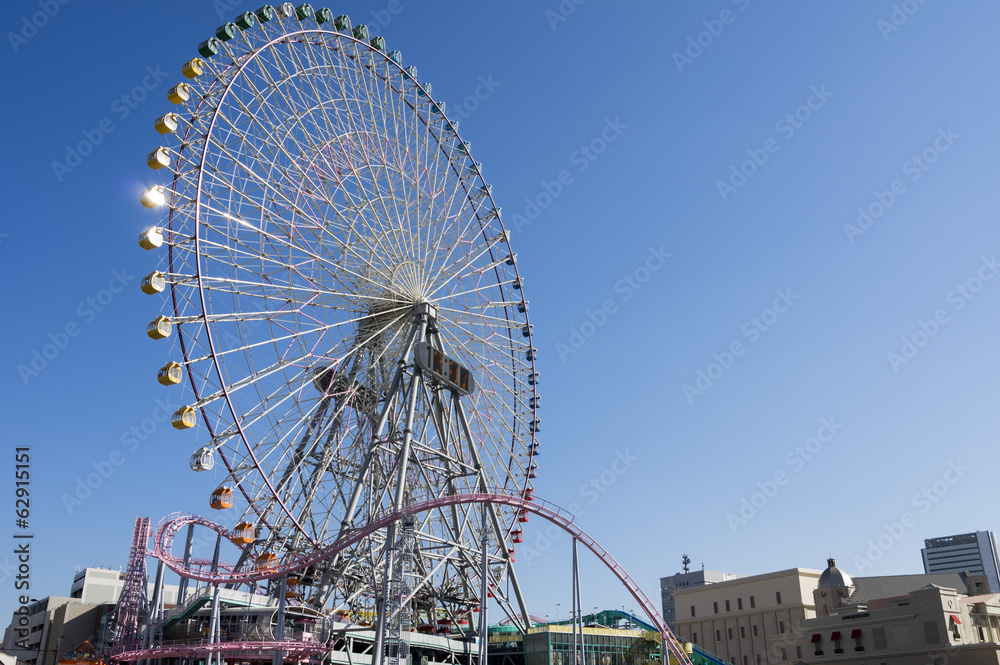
pixel 348 319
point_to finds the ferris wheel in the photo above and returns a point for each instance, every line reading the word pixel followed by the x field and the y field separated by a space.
pixel 347 310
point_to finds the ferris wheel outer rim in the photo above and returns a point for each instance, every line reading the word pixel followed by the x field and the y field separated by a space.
pixel 200 258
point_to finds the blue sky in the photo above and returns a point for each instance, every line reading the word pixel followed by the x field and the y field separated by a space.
pixel 818 350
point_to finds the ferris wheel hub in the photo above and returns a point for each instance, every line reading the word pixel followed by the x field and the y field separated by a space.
pixel 427 309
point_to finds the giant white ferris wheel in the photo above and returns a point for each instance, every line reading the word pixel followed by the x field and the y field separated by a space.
pixel 347 312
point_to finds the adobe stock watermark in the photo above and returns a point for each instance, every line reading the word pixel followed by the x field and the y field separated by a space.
pixel 590 492
pixel 121 108
pixel 32 23
pixel 627 286
pixel 562 12
pixel 704 39
pixel 465 108
pixel 752 330
pixel 913 168
pixel 786 126
pixel 131 439
pixel 928 329
pixel 8 569
pixel 87 311
pixel 581 159
pixel 898 17
pixel 923 501
pixel 796 459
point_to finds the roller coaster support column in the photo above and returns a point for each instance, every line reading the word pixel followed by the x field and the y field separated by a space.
pixel 182 587
pixel 213 629
pixel 155 611
pixel 577 608
pixel 279 630
pixel 484 574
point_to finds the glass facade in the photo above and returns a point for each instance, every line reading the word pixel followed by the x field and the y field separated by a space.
pixel 553 645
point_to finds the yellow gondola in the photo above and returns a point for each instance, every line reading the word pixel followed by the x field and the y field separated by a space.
pixel 193 68
pixel 153 283
pixel 179 94
pixel 184 418
pixel 157 159
pixel 151 238
pixel 170 374
pixel 159 328
pixel 166 124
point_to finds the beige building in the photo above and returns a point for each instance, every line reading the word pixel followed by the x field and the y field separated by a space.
pixel 902 619
pixel 750 620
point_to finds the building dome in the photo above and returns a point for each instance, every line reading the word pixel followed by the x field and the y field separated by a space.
pixel 834 577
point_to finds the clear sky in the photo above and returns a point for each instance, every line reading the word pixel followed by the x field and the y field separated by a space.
pixel 765 285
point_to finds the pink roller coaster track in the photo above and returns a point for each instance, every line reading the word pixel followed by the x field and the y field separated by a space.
pixel 170 526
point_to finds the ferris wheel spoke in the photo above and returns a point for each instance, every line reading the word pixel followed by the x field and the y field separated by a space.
pixel 358 130
pixel 471 317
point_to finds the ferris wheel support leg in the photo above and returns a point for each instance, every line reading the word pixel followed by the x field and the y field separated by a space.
pixel 416 335
pixel 397 503
pixel 279 630
pixel 484 574
pixel 382 602
pixel 498 531
pixel 359 484
pixel 240 562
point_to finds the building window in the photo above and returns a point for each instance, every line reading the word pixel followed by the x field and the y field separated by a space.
pixel 878 638
pixel 730 633
pixel 692 610
pixel 727 605
pixel 739 603
pixel 715 607
pixel 753 604
pixel 784 653
pixel 777 597
pixel 744 660
pixel 798 652
pixel 755 630
pixel 931 633
pixel 781 627
pixel 982 636
pixel 743 632
pixel 718 635
pixel 758 659
pixel 694 638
